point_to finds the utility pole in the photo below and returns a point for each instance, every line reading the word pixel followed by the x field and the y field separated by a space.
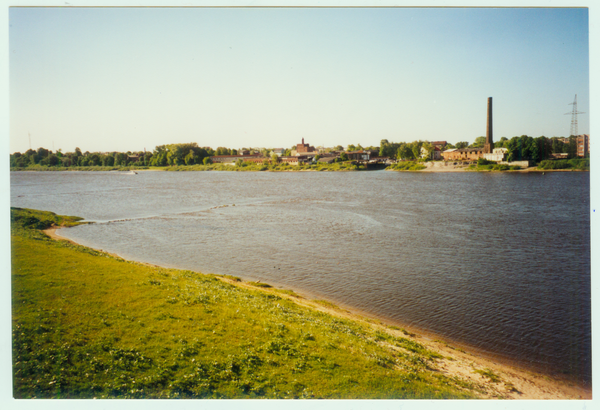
pixel 574 113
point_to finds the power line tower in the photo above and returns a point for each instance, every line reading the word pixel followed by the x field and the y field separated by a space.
pixel 574 117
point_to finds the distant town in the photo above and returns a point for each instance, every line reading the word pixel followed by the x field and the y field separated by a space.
pixel 517 149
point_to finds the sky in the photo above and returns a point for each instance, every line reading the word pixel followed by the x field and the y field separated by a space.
pixel 129 79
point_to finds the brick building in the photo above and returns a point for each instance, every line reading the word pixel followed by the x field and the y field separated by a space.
pixel 583 145
pixel 464 154
pixel 303 148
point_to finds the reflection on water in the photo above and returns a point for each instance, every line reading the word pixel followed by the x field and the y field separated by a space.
pixel 497 261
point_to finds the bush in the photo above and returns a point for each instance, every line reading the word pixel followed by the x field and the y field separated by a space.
pixel 406 166
pixel 501 167
pixel 575 163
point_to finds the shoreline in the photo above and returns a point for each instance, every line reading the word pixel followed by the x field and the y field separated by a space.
pixel 519 382
pixel 432 169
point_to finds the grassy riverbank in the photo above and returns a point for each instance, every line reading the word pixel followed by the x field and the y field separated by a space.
pixel 268 166
pixel 280 167
pixel 44 168
pixel 87 324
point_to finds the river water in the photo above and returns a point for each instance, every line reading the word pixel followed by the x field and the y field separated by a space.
pixel 499 262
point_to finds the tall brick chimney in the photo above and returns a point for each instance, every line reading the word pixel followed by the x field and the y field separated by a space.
pixel 488 147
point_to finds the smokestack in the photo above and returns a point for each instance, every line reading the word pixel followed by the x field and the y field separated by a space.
pixel 489 141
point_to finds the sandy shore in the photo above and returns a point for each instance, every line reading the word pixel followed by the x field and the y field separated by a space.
pixel 512 383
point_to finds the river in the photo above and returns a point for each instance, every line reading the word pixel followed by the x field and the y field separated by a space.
pixel 498 262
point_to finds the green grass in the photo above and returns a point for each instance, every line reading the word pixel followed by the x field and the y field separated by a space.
pixel 77 168
pixel 493 167
pixel 247 166
pixel 288 292
pixel 489 373
pixel 86 324
pixel 406 166
pixel 582 164
pixel 30 218
pixel 325 303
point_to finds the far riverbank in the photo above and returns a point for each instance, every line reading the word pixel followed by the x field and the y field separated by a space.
pixel 438 167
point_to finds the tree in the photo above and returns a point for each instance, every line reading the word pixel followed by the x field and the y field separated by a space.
pixel 108 160
pixel 174 154
pixel 462 144
pixel 500 143
pixel 95 159
pixel 404 151
pixel 533 150
pixel 207 161
pixel 343 156
pixel 558 146
pixel 415 147
pixel 479 142
pixel 428 150
pixel 52 160
pixel 223 151
pixel 38 156
pixel 274 159
pixel 522 148
pixel 239 163
pixel 571 147
pixel 190 158
pixel 120 159
pixel 388 149
pixel 84 161
pixel 159 157
pixel 544 146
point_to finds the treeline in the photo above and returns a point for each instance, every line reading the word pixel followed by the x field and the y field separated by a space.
pixel 163 155
pixel 538 149
pixel 519 148
pixel 46 157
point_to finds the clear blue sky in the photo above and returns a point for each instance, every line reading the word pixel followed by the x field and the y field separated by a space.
pixel 105 79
